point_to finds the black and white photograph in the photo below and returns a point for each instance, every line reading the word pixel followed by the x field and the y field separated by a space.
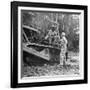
pixel 50 44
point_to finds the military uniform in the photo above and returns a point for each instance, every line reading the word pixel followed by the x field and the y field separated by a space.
pixel 63 49
pixel 56 38
pixel 50 36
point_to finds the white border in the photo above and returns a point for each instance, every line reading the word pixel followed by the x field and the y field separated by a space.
pixel 48 78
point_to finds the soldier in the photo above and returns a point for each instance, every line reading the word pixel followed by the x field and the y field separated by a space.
pixel 56 38
pixel 63 49
pixel 49 36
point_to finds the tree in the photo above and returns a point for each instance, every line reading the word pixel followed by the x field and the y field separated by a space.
pixel 68 23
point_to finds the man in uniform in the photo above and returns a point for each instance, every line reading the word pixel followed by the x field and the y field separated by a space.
pixel 63 49
pixel 56 38
pixel 49 36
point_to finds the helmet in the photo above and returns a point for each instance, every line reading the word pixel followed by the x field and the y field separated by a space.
pixel 63 34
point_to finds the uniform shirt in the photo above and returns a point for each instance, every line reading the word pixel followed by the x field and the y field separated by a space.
pixel 64 44
pixel 49 34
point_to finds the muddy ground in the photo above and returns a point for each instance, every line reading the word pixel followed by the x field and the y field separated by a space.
pixel 71 67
